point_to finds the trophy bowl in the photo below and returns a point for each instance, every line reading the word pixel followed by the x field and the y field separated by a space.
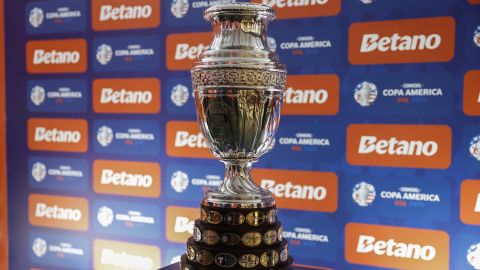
pixel 238 85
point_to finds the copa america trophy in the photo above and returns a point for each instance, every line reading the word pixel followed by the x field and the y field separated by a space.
pixel 238 84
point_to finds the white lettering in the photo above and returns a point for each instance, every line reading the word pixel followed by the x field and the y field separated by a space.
pixel 122 96
pixel 390 248
pixel 109 177
pixel 372 42
pixel 55 212
pixel 55 57
pixel 56 136
pixel 108 12
pixel 289 190
pixel 369 144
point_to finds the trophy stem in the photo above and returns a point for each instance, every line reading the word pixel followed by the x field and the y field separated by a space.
pixel 238 178
pixel 238 189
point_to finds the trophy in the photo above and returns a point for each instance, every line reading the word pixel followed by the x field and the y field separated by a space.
pixel 238 85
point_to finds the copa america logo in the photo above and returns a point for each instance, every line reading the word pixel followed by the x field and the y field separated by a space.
pixel 39 171
pixel 36 17
pixel 104 136
pixel 473 256
pixel 476 36
pixel 365 93
pixel 272 44
pixel 364 194
pixel 37 95
pixel 39 247
pixel 179 8
pixel 105 216
pixel 475 147
pixel 366 2
pixel 104 54
pixel 179 95
pixel 179 181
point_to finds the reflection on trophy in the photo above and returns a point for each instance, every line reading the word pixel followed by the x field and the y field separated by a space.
pixel 238 85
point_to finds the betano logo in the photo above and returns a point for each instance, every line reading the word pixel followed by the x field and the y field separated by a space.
pixel 311 95
pixel 125 14
pixel 470 202
pixel 180 222
pixel 300 190
pixel 413 146
pixel 288 9
pixel 127 178
pixel 113 255
pixel 396 247
pixel 184 139
pixel 402 41
pixel 474 2
pixel 471 93
pixel 70 213
pixel 183 49
pixel 139 95
pixel 60 134
pixel 56 56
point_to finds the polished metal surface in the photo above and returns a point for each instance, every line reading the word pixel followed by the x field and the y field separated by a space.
pixel 238 84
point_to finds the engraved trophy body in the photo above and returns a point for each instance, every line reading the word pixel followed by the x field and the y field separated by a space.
pixel 238 86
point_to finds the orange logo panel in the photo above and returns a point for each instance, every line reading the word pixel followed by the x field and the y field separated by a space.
pixel 402 41
pixel 69 213
pixel 412 146
pixel 396 247
pixel 114 255
pixel 288 9
pixel 139 95
pixel 311 95
pixel 59 134
pixel 474 2
pixel 127 178
pixel 300 190
pixel 183 49
pixel 56 56
pixel 470 202
pixel 180 222
pixel 125 14
pixel 184 139
pixel 471 93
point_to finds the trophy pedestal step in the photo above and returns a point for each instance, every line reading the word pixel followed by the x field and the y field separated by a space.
pixel 176 266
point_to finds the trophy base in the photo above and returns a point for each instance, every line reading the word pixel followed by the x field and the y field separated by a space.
pixel 237 238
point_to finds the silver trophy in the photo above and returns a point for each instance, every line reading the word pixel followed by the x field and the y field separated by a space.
pixel 238 85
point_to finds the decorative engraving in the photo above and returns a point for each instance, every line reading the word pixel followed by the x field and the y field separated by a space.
pixel 238 77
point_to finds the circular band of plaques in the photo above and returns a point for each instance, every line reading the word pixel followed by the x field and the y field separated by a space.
pixel 252 217
pixel 250 238
pixel 259 259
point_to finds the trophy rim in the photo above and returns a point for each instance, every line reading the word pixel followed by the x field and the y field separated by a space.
pixel 253 9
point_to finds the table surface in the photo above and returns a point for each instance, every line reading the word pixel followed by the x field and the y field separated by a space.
pixel 176 267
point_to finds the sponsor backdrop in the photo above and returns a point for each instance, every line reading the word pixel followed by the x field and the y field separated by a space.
pixel 376 163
